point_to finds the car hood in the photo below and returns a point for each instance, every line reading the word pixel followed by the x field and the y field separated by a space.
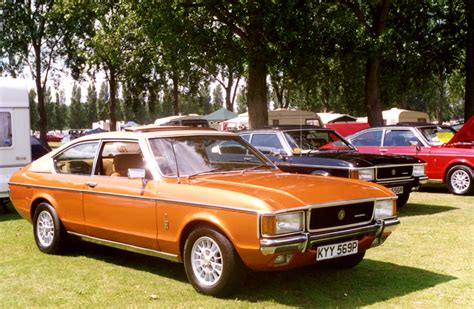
pixel 352 158
pixel 273 191
pixel 465 135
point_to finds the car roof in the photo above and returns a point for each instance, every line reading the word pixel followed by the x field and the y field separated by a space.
pixel 152 131
pixel 285 128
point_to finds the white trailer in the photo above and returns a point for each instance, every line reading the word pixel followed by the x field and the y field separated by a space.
pixel 15 145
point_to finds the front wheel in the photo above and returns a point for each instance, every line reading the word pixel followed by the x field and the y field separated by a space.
pixel 48 230
pixel 403 199
pixel 212 265
pixel 459 180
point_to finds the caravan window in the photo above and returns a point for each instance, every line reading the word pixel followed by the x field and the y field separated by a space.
pixel 6 129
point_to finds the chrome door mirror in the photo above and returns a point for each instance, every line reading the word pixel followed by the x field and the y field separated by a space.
pixel 136 173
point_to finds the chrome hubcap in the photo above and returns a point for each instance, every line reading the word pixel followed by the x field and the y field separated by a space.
pixel 460 181
pixel 206 260
pixel 45 229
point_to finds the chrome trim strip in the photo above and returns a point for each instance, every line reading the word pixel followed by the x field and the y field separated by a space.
pixel 403 181
pixel 303 241
pixel 127 247
pixel 181 202
pixel 16 165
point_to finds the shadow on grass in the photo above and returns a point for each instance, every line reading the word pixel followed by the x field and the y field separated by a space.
pixel 369 283
pixel 128 259
pixel 411 210
pixel 434 188
pixel 8 213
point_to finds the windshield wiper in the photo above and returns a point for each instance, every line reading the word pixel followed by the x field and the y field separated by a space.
pixel 205 172
pixel 266 165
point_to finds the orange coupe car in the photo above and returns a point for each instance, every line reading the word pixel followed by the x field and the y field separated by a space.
pixel 201 197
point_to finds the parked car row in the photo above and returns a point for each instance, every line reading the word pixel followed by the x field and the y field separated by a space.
pixel 449 155
pixel 313 150
pixel 220 206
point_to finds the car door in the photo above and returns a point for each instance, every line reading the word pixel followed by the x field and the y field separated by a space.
pixel 118 208
pixel 73 168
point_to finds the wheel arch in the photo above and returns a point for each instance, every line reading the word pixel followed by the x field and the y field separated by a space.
pixel 457 163
pixel 201 222
pixel 37 201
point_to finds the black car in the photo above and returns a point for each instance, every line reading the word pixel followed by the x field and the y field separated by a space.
pixel 314 150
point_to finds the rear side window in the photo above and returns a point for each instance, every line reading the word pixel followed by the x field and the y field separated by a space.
pixel 6 137
pixel 371 138
pixel 78 159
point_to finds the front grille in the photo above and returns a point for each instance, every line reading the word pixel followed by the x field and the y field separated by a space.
pixel 394 172
pixel 331 217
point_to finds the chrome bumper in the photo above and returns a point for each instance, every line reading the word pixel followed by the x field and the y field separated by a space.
pixel 300 242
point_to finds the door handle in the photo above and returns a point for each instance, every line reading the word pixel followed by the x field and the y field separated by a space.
pixel 383 150
pixel 91 184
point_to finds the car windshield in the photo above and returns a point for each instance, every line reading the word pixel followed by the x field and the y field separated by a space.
pixel 307 140
pixel 192 155
pixel 437 135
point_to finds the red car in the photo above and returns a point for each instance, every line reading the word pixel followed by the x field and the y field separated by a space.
pixel 449 155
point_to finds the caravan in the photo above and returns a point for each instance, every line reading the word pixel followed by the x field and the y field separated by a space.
pixel 15 147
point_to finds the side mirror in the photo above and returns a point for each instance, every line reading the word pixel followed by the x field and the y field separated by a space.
pixel 136 173
pixel 278 152
pixel 319 173
pixel 414 143
pixel 265 150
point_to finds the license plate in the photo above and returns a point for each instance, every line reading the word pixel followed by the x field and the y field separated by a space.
pixel 397 190
pixel 336 250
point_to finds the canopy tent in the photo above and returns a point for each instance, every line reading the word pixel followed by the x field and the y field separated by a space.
pixel 220 115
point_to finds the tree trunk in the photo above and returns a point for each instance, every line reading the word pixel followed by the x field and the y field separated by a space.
pixel 113 91
pixel 372 96
pixel 441 99
pixel 372 73
pixel 175 95
pixel 325 98
pixel 228 95
pixel 469 86
pixel 43 121
pixel 257 90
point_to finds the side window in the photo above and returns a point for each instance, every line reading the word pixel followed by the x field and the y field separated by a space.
pixel 6 129
pixel 76 160
pixel 399 138
pixel 371 138
pixel 266 140
pixel 117 157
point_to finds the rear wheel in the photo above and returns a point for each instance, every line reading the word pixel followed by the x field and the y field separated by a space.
pixel 48 229
pixel 212 265
pixel 459 180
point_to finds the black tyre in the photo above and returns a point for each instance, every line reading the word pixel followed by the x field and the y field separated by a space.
pixel 459 180
pixel 403 199
pixel 212 265
pixel 349 261
pixel 48 229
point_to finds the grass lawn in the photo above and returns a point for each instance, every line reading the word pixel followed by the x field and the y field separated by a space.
pixel 427 262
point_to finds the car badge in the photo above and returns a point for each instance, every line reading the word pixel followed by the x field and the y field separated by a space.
pixel 341 215
pixel 394 171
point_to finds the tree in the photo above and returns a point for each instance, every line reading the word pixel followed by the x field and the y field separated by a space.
pixel 76 109
pixel 91 104
pixel 469 63
pixel 36 34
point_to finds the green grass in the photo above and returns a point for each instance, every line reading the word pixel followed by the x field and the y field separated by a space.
pixel 427 262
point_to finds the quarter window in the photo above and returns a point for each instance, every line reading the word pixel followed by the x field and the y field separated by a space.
pixel 6 129
pixel 76 160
